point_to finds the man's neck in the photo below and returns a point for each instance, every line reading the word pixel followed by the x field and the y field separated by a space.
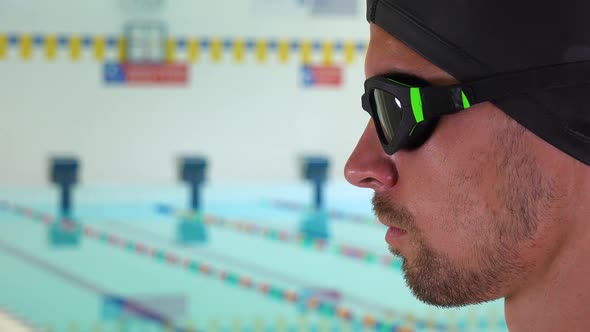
pixel 557 298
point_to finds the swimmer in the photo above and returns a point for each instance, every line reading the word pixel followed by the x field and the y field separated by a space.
pixel 477 149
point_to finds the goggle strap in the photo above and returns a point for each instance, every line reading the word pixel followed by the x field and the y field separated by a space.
pixel 440 101
pixel 523 82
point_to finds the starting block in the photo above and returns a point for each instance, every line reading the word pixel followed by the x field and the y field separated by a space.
pixel 191 230
pixel 315 170
pixel 192 170
pixel 66 233
pixel 64 173
pixel 314 225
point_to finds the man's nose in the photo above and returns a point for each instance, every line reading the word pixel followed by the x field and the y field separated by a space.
pixel 369 166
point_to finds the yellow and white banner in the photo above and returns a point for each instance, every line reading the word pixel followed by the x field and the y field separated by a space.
pixel 192 50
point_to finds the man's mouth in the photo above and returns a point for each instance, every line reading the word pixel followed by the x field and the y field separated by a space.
pixel 394 235
pixel 390 224
pixel 398 220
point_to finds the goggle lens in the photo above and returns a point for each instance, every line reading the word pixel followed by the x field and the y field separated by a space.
pixel 389 111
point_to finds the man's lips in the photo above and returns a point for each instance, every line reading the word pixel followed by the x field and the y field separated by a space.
pixel 390 224
pixel 394 234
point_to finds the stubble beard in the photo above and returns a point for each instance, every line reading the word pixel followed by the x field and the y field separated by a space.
pixel 437 279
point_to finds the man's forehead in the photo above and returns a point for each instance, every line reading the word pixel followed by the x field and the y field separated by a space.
pixel 386 55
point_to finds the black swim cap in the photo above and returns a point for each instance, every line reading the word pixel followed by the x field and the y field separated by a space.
pixel 475 39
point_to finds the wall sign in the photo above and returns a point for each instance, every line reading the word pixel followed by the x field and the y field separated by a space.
pixel 322 76
pixel 306 8
pixel 146 74
pixel 133 7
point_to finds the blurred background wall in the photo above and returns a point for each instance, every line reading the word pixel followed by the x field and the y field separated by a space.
pixel 252 119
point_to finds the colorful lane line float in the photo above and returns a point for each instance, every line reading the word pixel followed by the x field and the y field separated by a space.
pixel 314 168
pixel 333 214
pixel 313 230
pixel 324 308
pixel 298 239
pixel 278 324
pixel 114 307
pixel 64 173
pixel 307 289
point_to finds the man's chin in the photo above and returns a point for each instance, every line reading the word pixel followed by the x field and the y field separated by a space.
pixel 395 252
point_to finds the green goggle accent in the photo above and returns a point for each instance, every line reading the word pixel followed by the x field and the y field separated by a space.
pixel 466 103
pixel 416 100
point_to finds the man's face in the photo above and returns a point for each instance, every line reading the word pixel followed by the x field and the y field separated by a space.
pixel 471 200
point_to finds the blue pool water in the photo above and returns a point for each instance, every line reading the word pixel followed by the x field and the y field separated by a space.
pixel 68 289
